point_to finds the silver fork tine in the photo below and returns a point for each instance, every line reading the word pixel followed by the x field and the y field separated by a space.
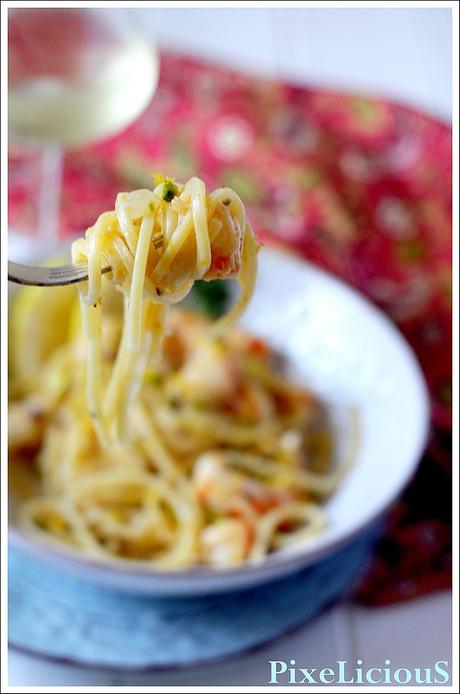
pixel 48 276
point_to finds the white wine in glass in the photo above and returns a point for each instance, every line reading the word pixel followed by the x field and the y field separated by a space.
pixel 74 76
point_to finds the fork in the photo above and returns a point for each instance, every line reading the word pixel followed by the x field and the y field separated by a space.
pixel 48 276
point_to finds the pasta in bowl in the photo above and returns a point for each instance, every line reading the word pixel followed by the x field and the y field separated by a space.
pixel 243 454
pixel 225 459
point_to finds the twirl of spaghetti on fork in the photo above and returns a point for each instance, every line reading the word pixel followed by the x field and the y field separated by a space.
pixel 157 243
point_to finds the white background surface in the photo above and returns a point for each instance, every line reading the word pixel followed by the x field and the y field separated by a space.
pixel 404 54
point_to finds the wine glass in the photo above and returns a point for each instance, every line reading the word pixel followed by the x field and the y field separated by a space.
pixel 74 76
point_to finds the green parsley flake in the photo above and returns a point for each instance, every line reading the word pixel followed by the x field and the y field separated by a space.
pixel 169 190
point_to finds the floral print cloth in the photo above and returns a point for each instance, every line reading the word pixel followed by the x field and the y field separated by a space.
pixel 360 186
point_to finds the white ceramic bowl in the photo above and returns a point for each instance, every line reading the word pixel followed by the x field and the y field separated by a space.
pixel 352 356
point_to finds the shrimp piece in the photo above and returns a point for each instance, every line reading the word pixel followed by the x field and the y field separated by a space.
pixel 208 374
pixel 25 423
pixel 214 484
pixel 227 491
pixel 224 542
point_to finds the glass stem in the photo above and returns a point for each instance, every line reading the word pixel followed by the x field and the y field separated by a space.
pixel 49 201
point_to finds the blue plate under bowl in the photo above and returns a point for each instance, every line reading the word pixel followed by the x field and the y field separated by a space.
pixel 54 615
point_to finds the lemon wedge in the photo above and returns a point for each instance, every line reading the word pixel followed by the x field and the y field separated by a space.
pixel 40 319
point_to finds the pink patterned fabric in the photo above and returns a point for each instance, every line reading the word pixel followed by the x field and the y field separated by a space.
pixel 360 186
